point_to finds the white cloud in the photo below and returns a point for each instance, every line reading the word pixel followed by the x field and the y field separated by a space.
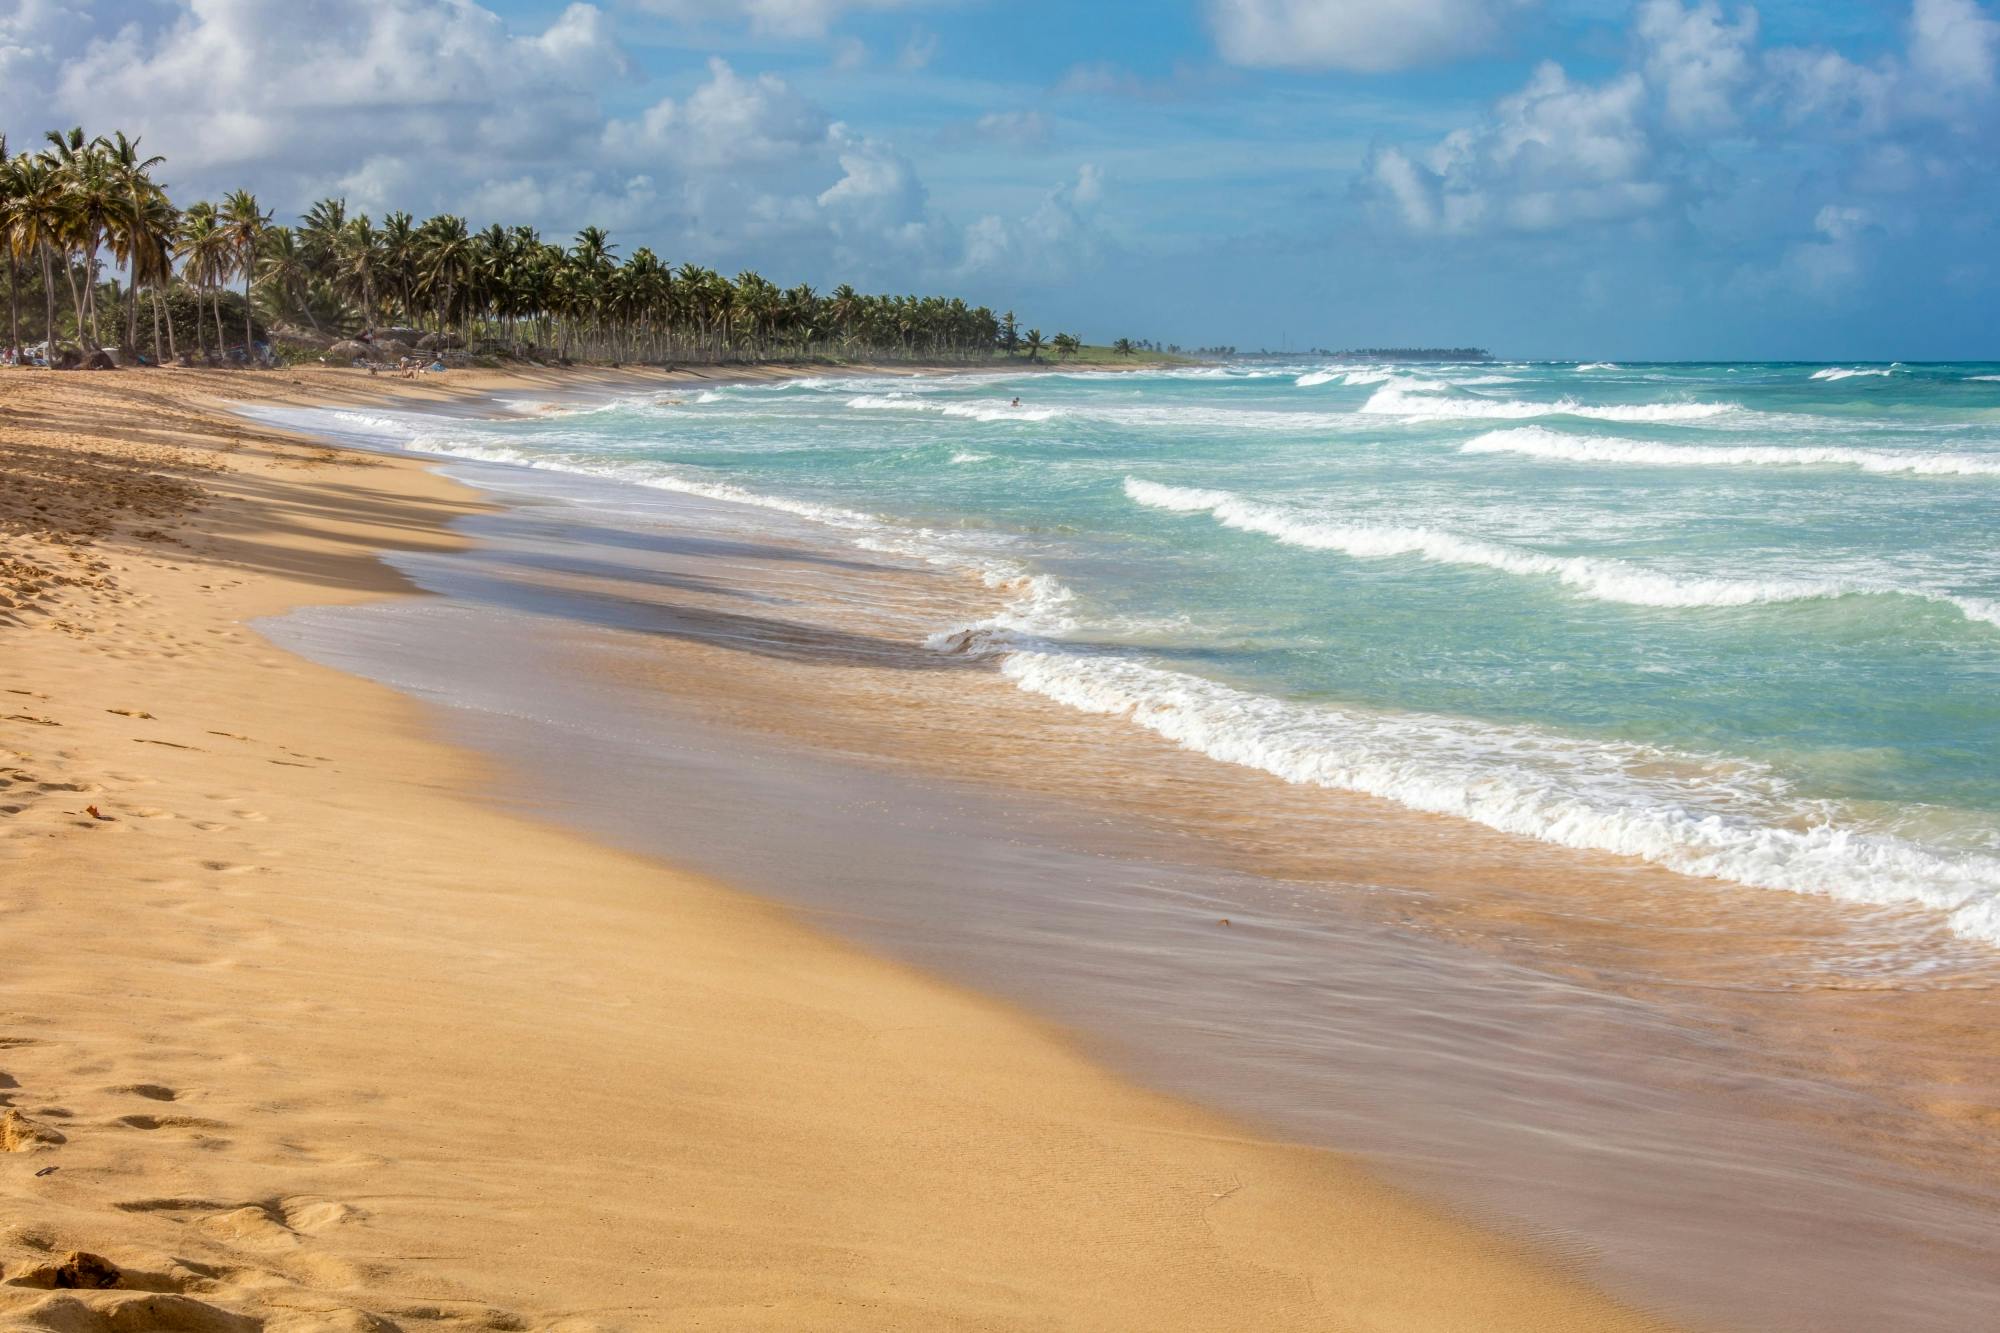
pixel 1057 239
pixel 443 105
pixel 1698 63
pixel 1831 260
pixel 1642 143
pixel 1553 154
pixel 919 49
pixel 782 18
pixel 730 120
pixel 1952 43
pixel 1019 129
pixel 238 82
pixel 1363 35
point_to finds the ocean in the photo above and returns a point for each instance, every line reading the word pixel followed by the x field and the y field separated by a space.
pixel 1741 621
pixel 1321 743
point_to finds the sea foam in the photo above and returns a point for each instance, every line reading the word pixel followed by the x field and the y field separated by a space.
pixel 1697 815
pixel 1540 442
pixel 1596 577
pixel 1426 404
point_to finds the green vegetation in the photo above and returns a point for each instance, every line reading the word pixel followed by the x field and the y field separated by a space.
pixel 207 280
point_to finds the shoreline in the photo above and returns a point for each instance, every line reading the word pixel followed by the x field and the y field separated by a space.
pixel 380 1052
pixel 1705 1057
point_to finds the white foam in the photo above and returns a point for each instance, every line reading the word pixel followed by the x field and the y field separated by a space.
pixel 1596 577
pixel 1540 442
pixel 1852 372
pixel 1699 816
pixel 1597 365
pixel 982 411
pixel 1403 400
pixel 964 456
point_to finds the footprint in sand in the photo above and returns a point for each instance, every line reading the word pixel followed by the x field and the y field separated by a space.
pixel 142 1312
pixel 20 1134
pixel 154 1092
pixel 140 1120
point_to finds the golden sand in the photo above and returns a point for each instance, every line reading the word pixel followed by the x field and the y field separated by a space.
pixel 295 1033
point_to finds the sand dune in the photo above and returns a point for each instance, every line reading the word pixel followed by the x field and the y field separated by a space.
pixel 297 1033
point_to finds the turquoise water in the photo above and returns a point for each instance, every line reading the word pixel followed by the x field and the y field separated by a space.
pixel 1739 620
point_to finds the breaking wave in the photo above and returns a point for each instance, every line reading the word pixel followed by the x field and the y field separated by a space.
pixel 1540 442
pixel 1417 403
pixel 1596 577
pixel 1698 815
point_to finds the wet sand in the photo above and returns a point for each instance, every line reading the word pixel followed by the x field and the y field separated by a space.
pixel 1744 1107
pixel 311 1022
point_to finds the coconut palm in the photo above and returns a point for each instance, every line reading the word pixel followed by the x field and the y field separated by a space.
pixel 38 218
pixel 204 249
pixel 79 197
pixel 130 239
pixel 243 225
pixel 1033 342
pixel 7 191
pixel 445 263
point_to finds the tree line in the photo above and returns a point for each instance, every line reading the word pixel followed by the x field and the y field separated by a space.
pixel 90 216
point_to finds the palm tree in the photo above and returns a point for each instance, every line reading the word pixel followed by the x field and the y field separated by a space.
pixel 150 237
pixel 1033 342
pixel 1067 344
pixel 357 254
pixel 38 219
pixel 67 204
pixel 398 239
pixel 203 248
pixel 243 225
pixel 8 189
pixel 135 174
pixel 445 262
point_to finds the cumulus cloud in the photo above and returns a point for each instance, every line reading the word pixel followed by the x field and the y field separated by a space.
pixel 1644 146
pixel 728 120
pixel 443 105
pixel 1952 43
pixel 1055 240
pixel 1699 62
pixel 1362 35
pixel 1555 153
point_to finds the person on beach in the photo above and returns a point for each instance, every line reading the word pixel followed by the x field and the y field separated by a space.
pixel 1015 403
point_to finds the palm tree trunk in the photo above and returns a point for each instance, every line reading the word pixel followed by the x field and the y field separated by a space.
pixel 221 340
pixel 90 292
pixel 156 326
pixel 247 326
pixel 75 297
pixel 13 301
pixel 49 295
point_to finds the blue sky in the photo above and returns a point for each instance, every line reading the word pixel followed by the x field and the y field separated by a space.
pixel 1661 179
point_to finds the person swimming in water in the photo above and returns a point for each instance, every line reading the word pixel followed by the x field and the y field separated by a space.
pixel 1015 403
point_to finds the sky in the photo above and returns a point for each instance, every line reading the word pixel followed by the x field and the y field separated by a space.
pixel 1547 178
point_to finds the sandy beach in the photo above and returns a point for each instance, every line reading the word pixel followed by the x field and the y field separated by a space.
pixel 302 1030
